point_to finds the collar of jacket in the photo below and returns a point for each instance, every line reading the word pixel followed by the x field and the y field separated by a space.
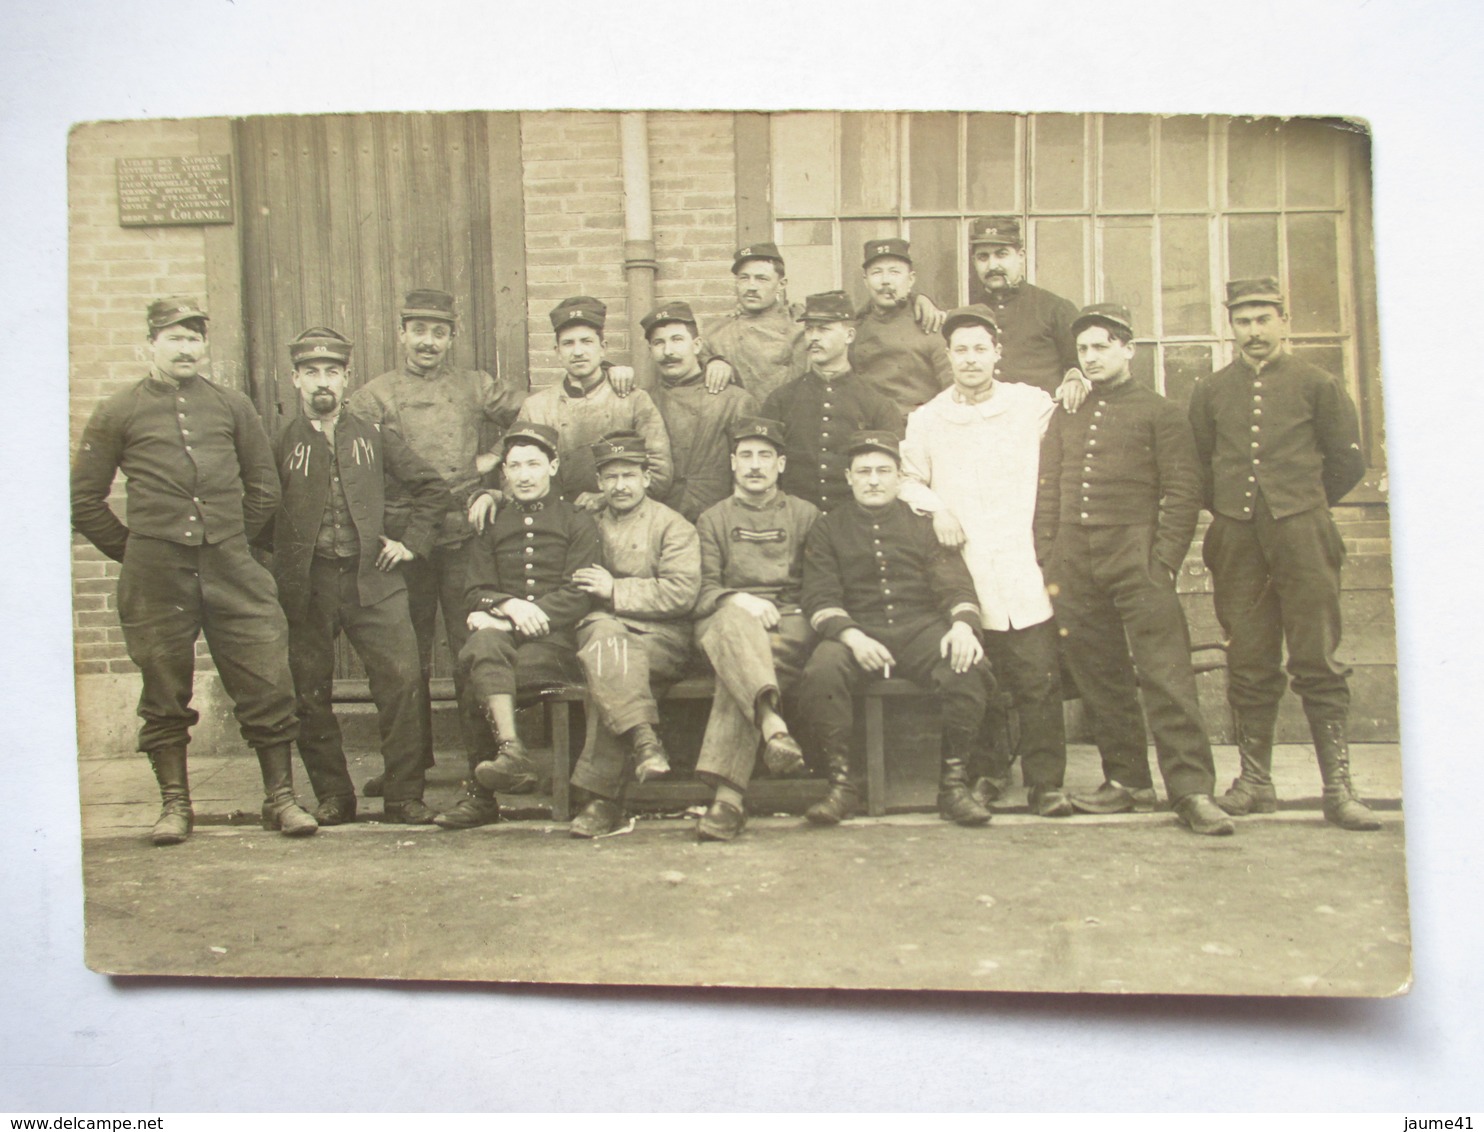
pixel 681 383
pixel 318 423
pixel 771 505
pixel 1106 391
pixel 157 384
pixel 528 508
pixel 843 375
pixel 574 389
pixel 1259 368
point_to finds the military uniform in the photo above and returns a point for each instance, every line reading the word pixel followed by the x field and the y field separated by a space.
pixel 642 637
pixel 697 424
pixel 1036 342
pixel 891 353
pixel 529 551
pixel 766 348
pixel 883 571
pixel 449 417
pixel 201 479
pixel 1278 445
pixel 1119 499
pixel 758 549
pixel 325 539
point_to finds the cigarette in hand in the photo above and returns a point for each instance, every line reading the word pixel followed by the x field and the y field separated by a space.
pixel 886 672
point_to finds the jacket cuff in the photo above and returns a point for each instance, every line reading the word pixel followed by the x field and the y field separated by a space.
pixel 968 613
pixel 831 621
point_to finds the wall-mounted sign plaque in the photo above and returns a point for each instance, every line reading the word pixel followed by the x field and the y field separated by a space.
pixel 175 190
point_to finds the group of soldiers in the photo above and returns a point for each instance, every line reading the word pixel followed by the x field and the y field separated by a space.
pixel 809 498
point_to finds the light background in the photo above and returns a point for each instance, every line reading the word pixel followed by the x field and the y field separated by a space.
pixel 72 1040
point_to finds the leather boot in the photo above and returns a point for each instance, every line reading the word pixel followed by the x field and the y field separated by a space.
pixel 843 798
pixel 1341 806
pixel 176 818
pixel 650 760
pixel 1252 791
pixel 281 810
pixel 956 803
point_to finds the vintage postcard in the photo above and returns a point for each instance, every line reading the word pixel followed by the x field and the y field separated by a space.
pixel 932 550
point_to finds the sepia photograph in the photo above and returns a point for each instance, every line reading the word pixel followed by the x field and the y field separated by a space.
pixel 919 550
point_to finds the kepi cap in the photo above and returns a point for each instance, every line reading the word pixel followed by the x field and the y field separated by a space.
pixel 677 311
pixel 767 251
pixel 1116 316
pixel 176 308
pixel 996 230
pixel 427 303
pixel 622 444
pixel 1263 289
pixel 542 436
pixel 887 246
pixel 875 440
pixel 827 306
pixel 579 308
pixel 976 314
pixel 320 342
pixel 761 428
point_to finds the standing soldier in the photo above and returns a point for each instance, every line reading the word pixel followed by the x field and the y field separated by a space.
pixel 749 623
pixel 337 569
pixel 825 407
pixel 696 421
pixel 970 460
pixel 639 634
pixel 452 418
pixel 891 353
pixel 1279 444
pixel 523 613
pixel 200 481
pixel 1035 325
pixel 1119 499
pixel 885 596
pixel 584 406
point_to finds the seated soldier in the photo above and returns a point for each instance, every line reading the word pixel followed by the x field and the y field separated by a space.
pixel 886 596
pixel 639 631
pixel 749 623
pixel 524 611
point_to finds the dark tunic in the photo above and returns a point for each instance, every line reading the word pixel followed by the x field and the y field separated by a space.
pixel 1036 344
pixel 893 356
pixel 530 551
pixel 1289 431
pixel 819 417
pixel 197 461
pixel 370 462
pixel 1127 458
pixel 882 569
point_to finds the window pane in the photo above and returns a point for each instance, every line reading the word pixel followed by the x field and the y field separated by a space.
pixel 1252 246
pixel 936 247
pixel 804 164
pixel 868 163
pixel 853 237
pixel 1313 273
pixel 808 248
pixel 1128 268
pixel 933 145
pixel 1128 152
pixel 1185 274
pixel 1060 161
pixel 1252 163
pixel 1184 165
pixel 1309 162
pixel 1060 258
pixel 1328 356
pixel 991 163
pixel 1141 368
pixel 1184 366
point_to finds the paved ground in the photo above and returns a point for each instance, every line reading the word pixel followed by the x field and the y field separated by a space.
pixel 1126 904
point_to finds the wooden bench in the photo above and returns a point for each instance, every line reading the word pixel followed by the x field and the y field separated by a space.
pixel 558 703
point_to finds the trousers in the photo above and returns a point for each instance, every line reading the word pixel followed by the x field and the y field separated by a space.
pixel 1277 581
pixel 623 665
pixel 1125 633
pixel 169 595
pixel 382 636
pixel 749 660
pixel 1025 662
pixel 831 677
pixel 441 581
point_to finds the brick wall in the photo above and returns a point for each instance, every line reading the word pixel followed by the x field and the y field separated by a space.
pixel 693 189
pixel 573 179
pixel 113 273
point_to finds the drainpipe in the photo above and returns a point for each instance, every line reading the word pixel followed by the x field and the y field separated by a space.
pixel 639 263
